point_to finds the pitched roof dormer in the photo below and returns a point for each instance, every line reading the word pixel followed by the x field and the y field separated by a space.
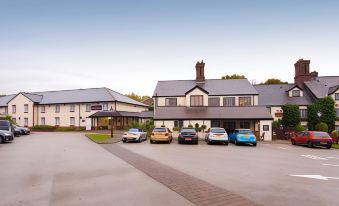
pixel 295 91
pixel 197 87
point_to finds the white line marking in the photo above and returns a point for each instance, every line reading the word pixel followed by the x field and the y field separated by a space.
pixel 318 177
pixel 314 157
pixel 282 147
pixel 331 165
pixel 332 158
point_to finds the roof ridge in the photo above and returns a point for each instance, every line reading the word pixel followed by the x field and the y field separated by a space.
pixel 69 90
pixel 109 93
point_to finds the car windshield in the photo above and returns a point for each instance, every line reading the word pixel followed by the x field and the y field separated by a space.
pixel 134 130
pixel 219 130
pixel 188 130
pixel 4 123
pixel 159 130
pixel 321 134
pixel 245 131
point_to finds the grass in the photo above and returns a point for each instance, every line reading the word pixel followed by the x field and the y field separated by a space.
pixel 99 137
pixel 335 146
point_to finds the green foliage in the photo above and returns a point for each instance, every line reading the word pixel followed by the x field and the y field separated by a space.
pixel 321 126
pixel 99 137
pixel 146 126
pixel 328 115
pixel 233 76
pixel 176 129
pixel 274 81
pixel 300 128
pixel 203 127
pixel 190 126
pixel 69 129
pixel 10 119
pixel 44 128
pixel 276 123
pixel 137 97
pixel 49 128
pixel 291 117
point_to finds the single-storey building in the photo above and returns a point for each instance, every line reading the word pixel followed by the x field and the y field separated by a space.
pixel 227 103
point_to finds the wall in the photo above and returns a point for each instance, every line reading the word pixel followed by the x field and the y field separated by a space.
pixel 20 100
pixel 196 92
pixel 181 101
pixel 268 134
pixel 295 89
pixel 129 107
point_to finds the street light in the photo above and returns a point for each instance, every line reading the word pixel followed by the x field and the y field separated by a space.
pixel 111 110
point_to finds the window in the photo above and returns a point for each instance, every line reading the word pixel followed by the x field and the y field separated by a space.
pixel 245 101
pixel 303 113
pixel 337 111
pixel 245 125
pixel 13 109
pixel 337 96
pixel 229 101
pixel 72 121
pixel 26 108
pixel 296 93
pixel 337 127
pixel 25 122
pixel 266 127
pixel 14 120
pixel 6 110
pixel 105 107
pixel 214 101
pixel 215 123
pixel 88 107
pixel 197 101
pixel 57 108
pixel 57 121
pixel 43 109
pixel 43 121
pixel 171 102
pixel 72 108
pixel 178 123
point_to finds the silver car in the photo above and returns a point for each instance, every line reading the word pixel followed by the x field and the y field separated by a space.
pixel 216 134
pixel 134 135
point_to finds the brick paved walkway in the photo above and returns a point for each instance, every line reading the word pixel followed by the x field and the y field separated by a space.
pixel 197 191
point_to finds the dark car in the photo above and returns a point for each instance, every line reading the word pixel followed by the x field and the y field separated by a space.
pixel 23 130
pixel 6 131
pixel 188 135
pixel 17 132
pixel 313 138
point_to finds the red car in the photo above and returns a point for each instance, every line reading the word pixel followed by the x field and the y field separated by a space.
pixel 313 138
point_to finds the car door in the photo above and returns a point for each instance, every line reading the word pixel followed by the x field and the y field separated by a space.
pixel 298 138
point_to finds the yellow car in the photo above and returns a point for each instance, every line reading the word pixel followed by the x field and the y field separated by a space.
pixel 161 134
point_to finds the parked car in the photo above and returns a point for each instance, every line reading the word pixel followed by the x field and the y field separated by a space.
pixel 17 132
pixel 216 134
pixel 134 135
pixel 6 131
pixel 188 135
pixel 312 138
pixel 23 130
pixel 243 136
pixel 6 136
pixel 161 134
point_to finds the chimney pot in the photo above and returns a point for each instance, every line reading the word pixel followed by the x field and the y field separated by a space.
pixel 200 71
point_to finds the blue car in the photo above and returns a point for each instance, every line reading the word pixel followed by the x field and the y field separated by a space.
pixel 243 136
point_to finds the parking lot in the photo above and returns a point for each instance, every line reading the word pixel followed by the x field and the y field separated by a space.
pixel 69 169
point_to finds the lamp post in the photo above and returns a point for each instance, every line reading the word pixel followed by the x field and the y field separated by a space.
pixel 111 110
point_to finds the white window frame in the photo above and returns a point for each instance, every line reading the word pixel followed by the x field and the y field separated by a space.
pixel 88 107
pixel 57 121
pixel 250 101
pixel 169 102
pixel 25 108
pixel 296 95
pixel 57 108
pixel 225 103
pixel 336 96
pixel 13 109
pixel 72 108
pixel 43 121
pixel 303 113
pixel 211 101
pixel 197 100
pixel 105 107
pixel 43 108
pixel 72 121
pixel 25 121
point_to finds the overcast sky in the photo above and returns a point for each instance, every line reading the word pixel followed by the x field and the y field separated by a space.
pixel 130 45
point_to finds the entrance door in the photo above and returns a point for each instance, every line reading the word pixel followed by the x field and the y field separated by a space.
pixel 229 126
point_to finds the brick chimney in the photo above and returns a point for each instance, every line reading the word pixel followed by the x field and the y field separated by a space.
pixel 302 72
pixel 200 71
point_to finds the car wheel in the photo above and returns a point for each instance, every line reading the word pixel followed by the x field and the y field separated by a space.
pixel 124 141
pixel 169 141
pixel 226 143
pixel 293 142
pixel 309 144
pixel 328 146
pixel 196 141
pixel 235 142
pixel 254 144
pixel 140 139
pixel 208 142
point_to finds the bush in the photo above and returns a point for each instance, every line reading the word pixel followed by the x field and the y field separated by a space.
pixel 190 126
pixel 335 136
pixel 203 127
pixel 291 117
pixel 321 126
pixel 176 129
pixel 69 129
pixel 44 128
pixel 299 128
pixel 276 124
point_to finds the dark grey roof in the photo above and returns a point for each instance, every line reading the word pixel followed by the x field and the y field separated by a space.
pixel 147 114
pixel 321 85
pixel 213 86
pixel 5 99
pixel 118 114
pixel 172 113
pixel 277 95
pixel 333 89
pixel 75 96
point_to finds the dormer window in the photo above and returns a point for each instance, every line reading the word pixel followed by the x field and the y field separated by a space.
pixel 296 93
pixel 197 101
pixel 337 96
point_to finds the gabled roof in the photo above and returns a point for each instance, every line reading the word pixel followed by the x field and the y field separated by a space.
pixel 331 90
pixel 321 85
pixel 144 114
pixel 277 95
pixel 190 113
pixel 197 87
pixel 293 86
pixel 5 99
pixel 76 96
pixel 222 87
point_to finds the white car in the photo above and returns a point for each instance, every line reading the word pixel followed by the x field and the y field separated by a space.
pixel 134 135
pixel 216 134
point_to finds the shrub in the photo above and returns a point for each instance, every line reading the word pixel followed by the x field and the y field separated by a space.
pixel 299 128
pixel 276 124
pixel 69 129
pixel 321 126
pixel 176 129
pixel 335 136
pixel 163 126
pixel 190 126
pixel 291 117
pixel 44 128
pixel 203 127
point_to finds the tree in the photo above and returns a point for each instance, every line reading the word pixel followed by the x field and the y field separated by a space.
pixel 137 97
pixel 322 111
pixel 291 117
pixel 274 81
pixel 233 76
pixel 321 126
